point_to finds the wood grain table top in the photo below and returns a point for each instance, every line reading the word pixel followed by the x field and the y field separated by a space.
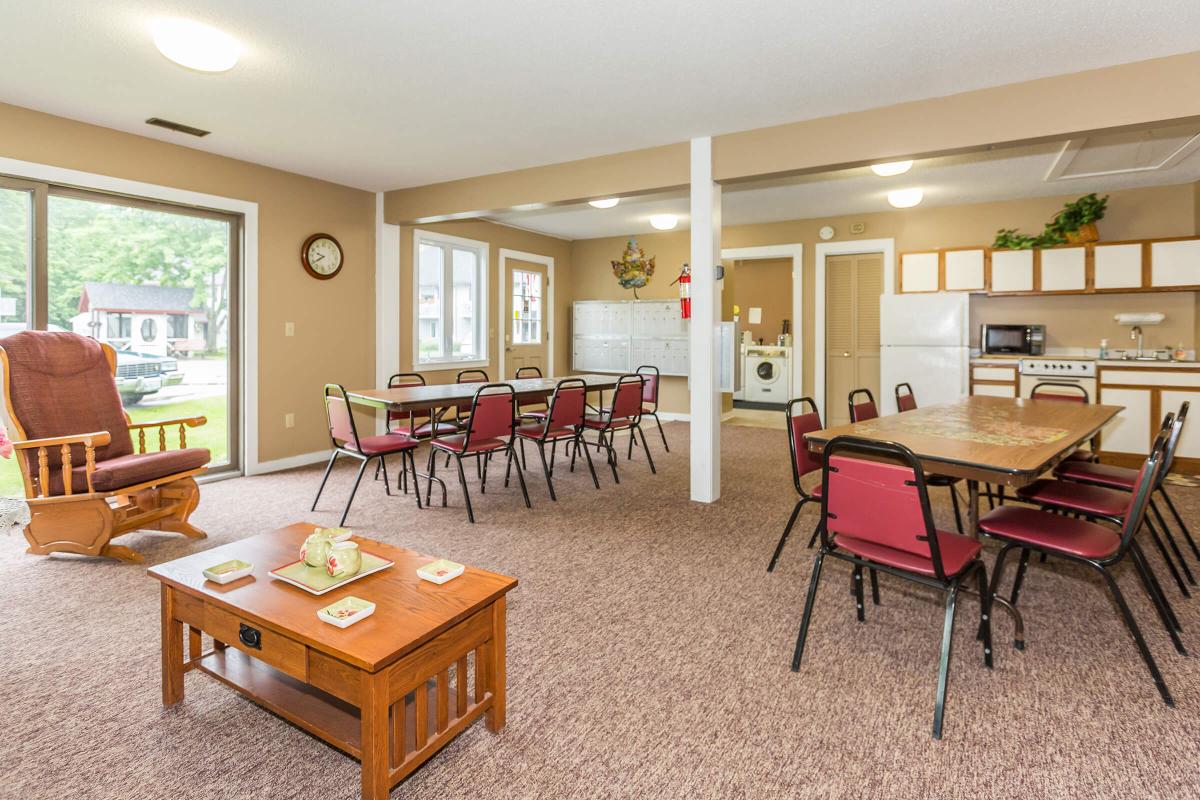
pixel 409 611
pixel 419 398
pixel 995 439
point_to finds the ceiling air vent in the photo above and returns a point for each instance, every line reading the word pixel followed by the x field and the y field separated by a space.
pixel 178 127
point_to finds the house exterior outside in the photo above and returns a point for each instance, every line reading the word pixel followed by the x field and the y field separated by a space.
pixel 158 320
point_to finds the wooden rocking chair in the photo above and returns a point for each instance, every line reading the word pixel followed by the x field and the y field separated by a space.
pixel 61 405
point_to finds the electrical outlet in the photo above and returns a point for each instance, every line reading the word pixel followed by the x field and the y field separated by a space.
pixel 289 329
pixel 289 420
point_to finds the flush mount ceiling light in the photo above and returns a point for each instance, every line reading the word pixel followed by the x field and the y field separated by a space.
pixel 905 198
pixel 663 222
pixel 195 45
pixel 607 202
pixel 891 168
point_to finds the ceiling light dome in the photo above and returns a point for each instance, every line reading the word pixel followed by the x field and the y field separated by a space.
pixel 891 168
pixel 663 222
pixel 195 45
pixel 607 202
pixel 905 198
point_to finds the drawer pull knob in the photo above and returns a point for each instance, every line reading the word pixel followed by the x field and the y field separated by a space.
pixel 251 637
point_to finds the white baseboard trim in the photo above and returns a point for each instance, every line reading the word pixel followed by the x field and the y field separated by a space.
pixel 291 462
pixel 674 416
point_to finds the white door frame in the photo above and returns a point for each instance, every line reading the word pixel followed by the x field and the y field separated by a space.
pixel 823 250
pixel 796 253
pixel 547 303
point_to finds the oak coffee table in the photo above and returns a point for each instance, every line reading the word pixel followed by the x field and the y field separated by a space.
pixel 390 690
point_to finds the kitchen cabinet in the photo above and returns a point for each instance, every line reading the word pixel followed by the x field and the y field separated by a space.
pixel 994 380
pixel 920 272
pixel 1148 393
pixel 1117 266
pixel 1063 269
pixel 964 271
pixel 1012 271
pixel 1175 263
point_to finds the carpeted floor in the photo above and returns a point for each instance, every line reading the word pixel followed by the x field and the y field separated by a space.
pixel 648 658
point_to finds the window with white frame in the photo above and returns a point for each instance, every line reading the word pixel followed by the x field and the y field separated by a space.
pixel 527 307
pixel 450 299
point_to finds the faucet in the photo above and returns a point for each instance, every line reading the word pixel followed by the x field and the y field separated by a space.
pixel 1136 333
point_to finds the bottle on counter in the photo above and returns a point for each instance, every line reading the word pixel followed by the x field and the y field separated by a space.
pixel 1180 354
pixel 1103 349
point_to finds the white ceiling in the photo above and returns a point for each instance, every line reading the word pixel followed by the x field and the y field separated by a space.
pixel 1002 174
pixel 383 94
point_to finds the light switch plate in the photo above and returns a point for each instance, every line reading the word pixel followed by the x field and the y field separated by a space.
pixel 289 329
pixel 289 420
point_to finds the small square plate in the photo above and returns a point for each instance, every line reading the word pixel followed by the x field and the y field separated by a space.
pixel 346 612
pixel 228 571
pixel 440 571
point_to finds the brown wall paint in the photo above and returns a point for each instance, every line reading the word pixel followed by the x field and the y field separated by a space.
pixel 335 319
pixel 497 237
pixel 1050 108
pixel 765 284
pixel 1132 214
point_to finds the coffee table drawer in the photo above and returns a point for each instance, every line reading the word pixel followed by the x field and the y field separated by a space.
pixel 282 653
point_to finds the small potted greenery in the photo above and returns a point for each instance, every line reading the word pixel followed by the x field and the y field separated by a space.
pixel 1075 224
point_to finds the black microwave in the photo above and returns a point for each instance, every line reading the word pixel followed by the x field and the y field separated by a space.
pixel 1025 340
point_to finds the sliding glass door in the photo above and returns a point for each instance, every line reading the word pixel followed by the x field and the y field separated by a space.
pixel 155 281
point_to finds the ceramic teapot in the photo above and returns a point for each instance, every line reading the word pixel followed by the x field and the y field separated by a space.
pixel 315 549
pixel 344 559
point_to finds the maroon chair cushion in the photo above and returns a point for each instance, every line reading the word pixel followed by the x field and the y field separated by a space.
pixel 131 470
pixel 383 444
pixel 1051 531
pixel 601 421
pixel 535 431
pixel 426 430
pixel 534 414
pixel 1108 475
pixel 454 444
pixel 1093 500
pixel 61 384
pixel 957 552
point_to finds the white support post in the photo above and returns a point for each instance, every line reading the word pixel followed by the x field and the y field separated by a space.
pixel 706 314
pixel 387 302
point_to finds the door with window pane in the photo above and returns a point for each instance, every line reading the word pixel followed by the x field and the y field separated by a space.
pixel 526 337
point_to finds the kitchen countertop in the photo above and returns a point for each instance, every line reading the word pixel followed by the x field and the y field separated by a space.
pixel 1108 362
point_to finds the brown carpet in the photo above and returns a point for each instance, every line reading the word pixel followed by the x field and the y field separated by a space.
pixel 648 658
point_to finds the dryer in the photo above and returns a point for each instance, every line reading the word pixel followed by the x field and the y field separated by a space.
pixel 768 374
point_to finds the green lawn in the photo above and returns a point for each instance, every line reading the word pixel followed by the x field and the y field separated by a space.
pixel 213 435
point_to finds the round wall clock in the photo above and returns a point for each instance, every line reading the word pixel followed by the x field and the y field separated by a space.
pixel 826 232
pixel 321 256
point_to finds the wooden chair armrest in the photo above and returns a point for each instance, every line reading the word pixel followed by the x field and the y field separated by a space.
pixel 96 439
pixel 182 423
pixel 90 442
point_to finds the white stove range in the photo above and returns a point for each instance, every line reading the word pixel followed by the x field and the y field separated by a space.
pixel 1062 371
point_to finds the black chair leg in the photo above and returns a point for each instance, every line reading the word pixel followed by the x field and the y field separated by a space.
pixel 524 461
pixel 985 615
pixel 874 587
pixel 808 607
pixel 649 457
pixel 957 514
pixel 997 571
pixel 411 455
pixel 1187 572
pixel 660 431
pixel 629 455
pixel 787 529
pixel 387 484
pixel 1187 534
pixel 1155 583
pixel 361 469
pixel 859 611
pixel 546 470
pixel 1020 579
pixel 512 456
pixel 553 453
pixel 939 709
pixel 612 457
pixel 486 459
pixel 430 470
pixel 579 443
pixel 1162 551
pixel 328 468
pixel 462 481
pixel 1137 637
pixel 1164 611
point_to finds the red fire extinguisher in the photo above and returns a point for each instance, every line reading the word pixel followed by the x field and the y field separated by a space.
pixel 685 293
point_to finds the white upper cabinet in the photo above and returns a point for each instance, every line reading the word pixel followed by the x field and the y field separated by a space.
pixel 919 272
pixel 1118 266
pixel 1012 271
pixel 1175 263
pixel 964 270
pixel 1064 269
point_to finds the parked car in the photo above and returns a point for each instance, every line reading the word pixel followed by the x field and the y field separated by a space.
pixel 142 374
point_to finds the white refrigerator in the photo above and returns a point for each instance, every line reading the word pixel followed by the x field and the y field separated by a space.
pixel 925 342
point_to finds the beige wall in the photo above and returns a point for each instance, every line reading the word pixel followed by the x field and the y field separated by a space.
pixel 765 284
pixel 335 320
pixel 1140 213
pixel 497 237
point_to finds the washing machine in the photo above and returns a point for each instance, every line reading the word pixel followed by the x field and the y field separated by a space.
pixel 768 374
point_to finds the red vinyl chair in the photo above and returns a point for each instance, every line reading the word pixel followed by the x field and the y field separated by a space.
pixel 536 411
pixel 650 375
pixel 876 515
pixel 1070 393
pixel 905 399
pixel 343 436
pixel 625 414
pixel 1091 544
pixel 564 421
pixel 1124 478
pixel 861 409
pixel 803 462
pixel 462 410
pixel 490 430
pixel 418 424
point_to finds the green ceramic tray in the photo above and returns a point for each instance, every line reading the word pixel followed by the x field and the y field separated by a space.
pixel 317 581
